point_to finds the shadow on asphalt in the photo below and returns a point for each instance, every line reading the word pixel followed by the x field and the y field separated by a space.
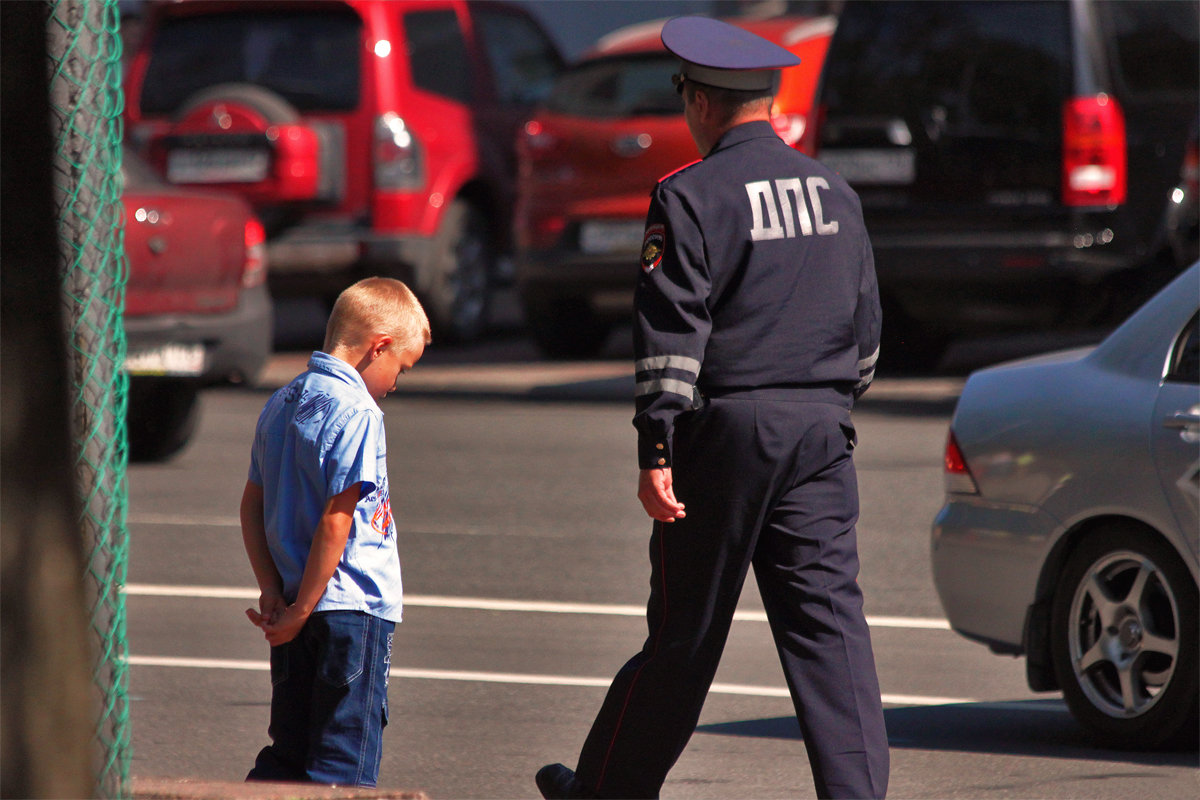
pixel 942 407
pixel 299 327
pixel 1024 728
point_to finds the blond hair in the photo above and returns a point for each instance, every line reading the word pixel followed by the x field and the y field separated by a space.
pixel 377 306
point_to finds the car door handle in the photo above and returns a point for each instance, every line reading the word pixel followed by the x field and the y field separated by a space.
pixel 1182 419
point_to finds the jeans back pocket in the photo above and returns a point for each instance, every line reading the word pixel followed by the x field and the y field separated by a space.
pixel 344 635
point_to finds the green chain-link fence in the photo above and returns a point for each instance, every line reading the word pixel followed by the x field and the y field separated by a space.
pixel 84 49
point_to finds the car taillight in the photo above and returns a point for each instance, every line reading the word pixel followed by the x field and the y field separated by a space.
pixel 397 155
pixel 550 227
pixel 1190 172
pixel 255 271
pixel 957 473
pixel 810 140
pixel 535 139
pixel 1094 159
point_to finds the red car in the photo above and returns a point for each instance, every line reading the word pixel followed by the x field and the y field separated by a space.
pixel 372 137
pixel 196 304
pixel 612 126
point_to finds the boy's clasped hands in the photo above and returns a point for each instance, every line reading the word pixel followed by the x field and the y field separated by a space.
pixel 280 622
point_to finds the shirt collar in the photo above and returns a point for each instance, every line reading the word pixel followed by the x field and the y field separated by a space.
pixel 758 129
pixel 336 368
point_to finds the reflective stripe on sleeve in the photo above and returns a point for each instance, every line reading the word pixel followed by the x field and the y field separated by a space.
pixel 682 363
pixel 869 361
pixel 664 385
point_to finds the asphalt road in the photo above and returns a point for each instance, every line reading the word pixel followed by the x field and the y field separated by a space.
pixel 525 571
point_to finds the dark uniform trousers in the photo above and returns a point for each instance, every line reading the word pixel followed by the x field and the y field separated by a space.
pixel 769 481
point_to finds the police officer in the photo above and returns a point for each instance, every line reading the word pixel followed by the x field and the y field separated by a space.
pixel 757 325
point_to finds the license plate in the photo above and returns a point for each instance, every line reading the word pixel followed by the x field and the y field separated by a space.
pixel 169 359
pixel 219 165
pixel 608 236
pixel 879 167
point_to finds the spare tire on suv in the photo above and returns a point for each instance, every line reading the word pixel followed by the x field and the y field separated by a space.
pixel 393 158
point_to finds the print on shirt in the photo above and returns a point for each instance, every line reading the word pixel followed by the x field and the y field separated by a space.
pixel 653 246
pixel 784 205
pixel 381 519
pixel 313 405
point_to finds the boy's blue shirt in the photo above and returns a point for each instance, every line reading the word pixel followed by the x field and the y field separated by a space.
pixel 316 437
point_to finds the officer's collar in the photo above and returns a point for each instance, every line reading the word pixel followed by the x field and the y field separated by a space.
pixel 757 129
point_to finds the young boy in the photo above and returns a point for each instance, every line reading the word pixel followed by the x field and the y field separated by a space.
pixel 318 529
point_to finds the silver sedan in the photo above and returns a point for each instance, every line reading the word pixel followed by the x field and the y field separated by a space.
pixel 1070 530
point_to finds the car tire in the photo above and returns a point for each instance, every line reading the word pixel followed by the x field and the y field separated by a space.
pixel 273 108
pixel 162 417
pixel 457 295
pixel 566 328
pixel 1124 640
pixel 907 346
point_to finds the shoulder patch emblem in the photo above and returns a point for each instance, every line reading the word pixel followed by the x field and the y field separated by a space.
pixel 652 247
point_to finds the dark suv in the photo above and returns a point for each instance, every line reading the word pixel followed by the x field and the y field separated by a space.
pixel 1019 163
pixel 372 137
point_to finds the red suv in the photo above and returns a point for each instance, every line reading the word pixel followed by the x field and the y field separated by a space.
pixel 372 137
pixel 612 126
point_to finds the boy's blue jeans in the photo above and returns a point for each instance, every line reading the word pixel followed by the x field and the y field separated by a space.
pixel 329 702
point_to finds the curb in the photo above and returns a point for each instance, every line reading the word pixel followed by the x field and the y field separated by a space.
pixel 575 380
pixel 194 789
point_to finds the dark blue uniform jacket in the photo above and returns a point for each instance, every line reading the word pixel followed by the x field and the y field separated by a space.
pixel 757 272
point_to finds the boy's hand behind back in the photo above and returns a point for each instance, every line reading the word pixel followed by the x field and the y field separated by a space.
pixel 282 622
pixel 286 627
pixel 270 608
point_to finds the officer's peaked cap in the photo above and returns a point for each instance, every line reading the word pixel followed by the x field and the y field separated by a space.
pixel 724 55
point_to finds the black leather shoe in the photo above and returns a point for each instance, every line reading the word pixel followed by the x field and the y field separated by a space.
pixel 556 782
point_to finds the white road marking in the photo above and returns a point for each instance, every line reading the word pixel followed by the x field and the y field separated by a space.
pixel 183 520
pixel 529 679
pixel 489 604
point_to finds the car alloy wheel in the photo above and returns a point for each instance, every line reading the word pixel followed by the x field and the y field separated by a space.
pixel 1124 638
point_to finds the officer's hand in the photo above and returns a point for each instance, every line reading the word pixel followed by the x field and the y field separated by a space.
pixel 657 494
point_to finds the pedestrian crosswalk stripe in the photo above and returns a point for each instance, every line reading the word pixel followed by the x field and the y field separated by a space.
pixel 493 604
pixel 532 679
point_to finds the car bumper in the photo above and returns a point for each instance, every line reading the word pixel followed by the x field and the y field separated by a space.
pixel 604 282
pixel 236 344
pixel 316 259
pixel 406 258
pixel 997 257
pixel 984 277
pixel 986 561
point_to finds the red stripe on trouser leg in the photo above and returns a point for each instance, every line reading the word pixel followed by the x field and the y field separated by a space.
pixel 662 560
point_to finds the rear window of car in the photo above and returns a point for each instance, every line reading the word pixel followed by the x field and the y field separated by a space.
pixel 1155 45
pixel 1185 358
pixel 437 54
pixel 523 60
pixel 973 68
pixel 618 87
pixel 310 58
